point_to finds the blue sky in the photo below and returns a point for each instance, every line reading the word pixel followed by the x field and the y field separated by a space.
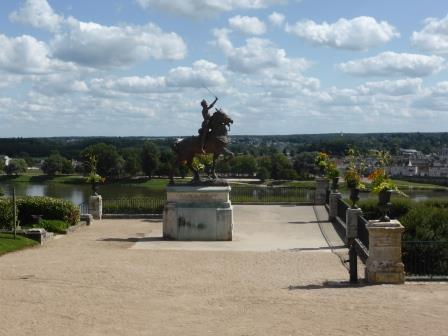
pixel 138 67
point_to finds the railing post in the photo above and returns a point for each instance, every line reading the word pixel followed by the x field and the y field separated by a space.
pixel 351 220
pixel 322 185
pixel 384 264
pixel 333 205
pixel 353 261
pixel 96 206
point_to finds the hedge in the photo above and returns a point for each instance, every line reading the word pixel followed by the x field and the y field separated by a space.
pixel 6 213
pixel 48 208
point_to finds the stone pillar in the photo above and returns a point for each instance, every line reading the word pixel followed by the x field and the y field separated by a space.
pixel 322 186
pixel 351 220
pixel 333 205
pixel 384 264
pixel 96 206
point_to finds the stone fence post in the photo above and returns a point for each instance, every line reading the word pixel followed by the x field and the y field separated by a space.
pixel 322 186
pixel 96 206
pixel 351 220
pixel 333 205
pixel 384 264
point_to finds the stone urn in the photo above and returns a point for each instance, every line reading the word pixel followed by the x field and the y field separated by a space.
pixel 354 196
pixel 334 184
pixel 384 204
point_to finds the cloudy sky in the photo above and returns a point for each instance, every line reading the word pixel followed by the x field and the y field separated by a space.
pixel 141 67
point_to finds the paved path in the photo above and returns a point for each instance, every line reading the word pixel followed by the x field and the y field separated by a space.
pixel 93 282
pixel 259 228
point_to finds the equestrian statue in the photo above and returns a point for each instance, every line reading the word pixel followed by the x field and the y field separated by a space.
pixel 212 139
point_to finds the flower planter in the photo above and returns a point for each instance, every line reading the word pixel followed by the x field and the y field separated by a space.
pixel 384 204
pixel 354 197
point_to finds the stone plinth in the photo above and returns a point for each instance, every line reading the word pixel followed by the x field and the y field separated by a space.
pixel 333 205
pixel 96 206
pixel 198 213
pixel 322 186
pixel 351 220
pixel 384 264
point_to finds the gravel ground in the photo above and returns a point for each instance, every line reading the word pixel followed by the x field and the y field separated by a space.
pixel 92 283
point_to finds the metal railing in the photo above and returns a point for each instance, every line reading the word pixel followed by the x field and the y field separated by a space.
pixel 342 210
pixel 363 233
pixel 141 205
pixel 83 208
pixel 425 258
pixel 271 195
pixel 339 222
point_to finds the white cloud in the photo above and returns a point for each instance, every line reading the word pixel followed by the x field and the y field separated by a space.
pixel 399 87
pixel 434 99
pixel 394 64
pixel 94 45
pixel 201 73
pixel 433 37
pixel 248 25
pixel 26 55
pixel 204 8
pixel 276 19
pixel 37 13
pixel 133 84
pixel 256 55
pixel 360 33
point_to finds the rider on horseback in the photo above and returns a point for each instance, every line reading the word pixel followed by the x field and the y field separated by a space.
pixel 206 115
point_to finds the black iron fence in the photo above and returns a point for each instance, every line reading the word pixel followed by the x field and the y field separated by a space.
pixel 425 258
pixel 141 205
pixel 271 195
pixel 84 208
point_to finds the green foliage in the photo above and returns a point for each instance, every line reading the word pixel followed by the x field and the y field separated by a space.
pixel 53 225
pixel 132 163
pixel 427 223
pixel 56 164
pixel 263 174
pixel 150 158
pixel 9 244
pixel 243 164
pixel 49 208
pixel 109 163
pixel 399 208
pixel 6 213
pixel 16 167
pixel 2 165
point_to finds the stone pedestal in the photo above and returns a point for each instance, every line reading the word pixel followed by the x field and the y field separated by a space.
pixel 322 187
pixel 351 220
pixel 384 264
pixel 96 206
pixel 333 205
pixel 198 213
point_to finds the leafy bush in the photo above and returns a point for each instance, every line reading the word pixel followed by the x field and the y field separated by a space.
pixel 6 213
pixel 49 208
pixel 399 208
pixel 424 222
pixel 53 225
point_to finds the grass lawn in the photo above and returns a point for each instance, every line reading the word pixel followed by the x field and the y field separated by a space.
pixel 9 244
pixel 29 178
pixel 418 186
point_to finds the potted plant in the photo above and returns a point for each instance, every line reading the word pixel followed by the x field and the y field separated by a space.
pixel 332 173
pixel 352 177
pixel 93 178
pixel 321 162
pixel 383 185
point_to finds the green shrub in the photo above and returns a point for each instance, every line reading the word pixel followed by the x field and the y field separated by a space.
pixel 6 213
pixel 399 208
pixel 49 208
pixel 424 222
pixel 53 225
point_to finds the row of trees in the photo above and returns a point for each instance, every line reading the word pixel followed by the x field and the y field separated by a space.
pixel 153 160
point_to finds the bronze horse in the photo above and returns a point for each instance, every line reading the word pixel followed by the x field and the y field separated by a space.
pixel 216 144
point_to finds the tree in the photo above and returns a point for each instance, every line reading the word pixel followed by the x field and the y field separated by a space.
pixel 244 164
pixel 150 158
pixel 2 164
pixel 16 167
pixel 304 164
pixel 262 174
pixel 132 161
pixel 52 165
pixel 109 163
